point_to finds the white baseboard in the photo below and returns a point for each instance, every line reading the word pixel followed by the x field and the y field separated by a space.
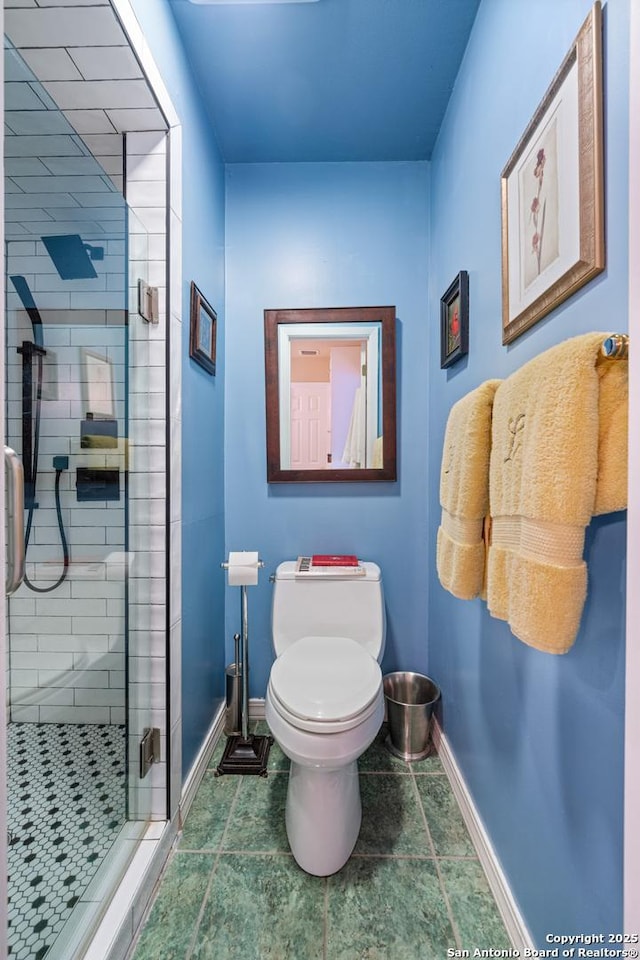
pixel 201 763
pixel 509 911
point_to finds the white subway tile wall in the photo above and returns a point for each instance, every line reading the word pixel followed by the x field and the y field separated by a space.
pixel 76 668
pixel 146 167
pixel 67 651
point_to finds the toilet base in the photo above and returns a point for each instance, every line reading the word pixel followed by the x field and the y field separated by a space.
pixel 248 756
pixel 323 816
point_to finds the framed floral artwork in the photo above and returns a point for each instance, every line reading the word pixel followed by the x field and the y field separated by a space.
pixel 553 193
pixel 454 320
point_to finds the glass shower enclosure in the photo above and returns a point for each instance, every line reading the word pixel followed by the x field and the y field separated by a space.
pixel 79 743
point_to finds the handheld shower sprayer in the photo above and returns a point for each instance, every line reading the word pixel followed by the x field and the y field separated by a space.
pixel 30 351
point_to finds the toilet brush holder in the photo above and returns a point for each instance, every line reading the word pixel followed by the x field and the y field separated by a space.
pixel 233 716
pixel 244 753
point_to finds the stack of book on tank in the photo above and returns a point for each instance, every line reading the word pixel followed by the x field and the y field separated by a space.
pixel 329 565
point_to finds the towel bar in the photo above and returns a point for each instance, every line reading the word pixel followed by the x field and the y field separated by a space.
pixel 616 346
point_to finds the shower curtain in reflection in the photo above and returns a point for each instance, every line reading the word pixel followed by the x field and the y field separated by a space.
pixel 355 448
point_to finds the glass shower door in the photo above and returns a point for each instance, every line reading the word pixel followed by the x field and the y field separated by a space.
pixel 68 366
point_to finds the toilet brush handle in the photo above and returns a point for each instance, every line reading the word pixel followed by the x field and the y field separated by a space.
pixel 245 662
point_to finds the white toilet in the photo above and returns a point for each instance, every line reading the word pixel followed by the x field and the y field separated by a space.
pixel 325 704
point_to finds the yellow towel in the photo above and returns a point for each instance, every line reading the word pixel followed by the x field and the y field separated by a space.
pixel 558 457
pixel 464 493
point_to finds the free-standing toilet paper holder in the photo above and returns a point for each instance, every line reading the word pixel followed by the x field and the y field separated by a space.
pixel 245 753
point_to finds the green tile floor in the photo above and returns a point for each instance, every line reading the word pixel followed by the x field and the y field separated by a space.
pixel 412 889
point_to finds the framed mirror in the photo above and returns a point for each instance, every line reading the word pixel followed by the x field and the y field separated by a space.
pixel 330 394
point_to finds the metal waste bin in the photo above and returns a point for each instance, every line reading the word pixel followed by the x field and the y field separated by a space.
pixel 233 715
pixel 409 701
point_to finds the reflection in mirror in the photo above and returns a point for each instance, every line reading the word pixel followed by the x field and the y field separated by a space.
pixel 333 419
pixel 330 377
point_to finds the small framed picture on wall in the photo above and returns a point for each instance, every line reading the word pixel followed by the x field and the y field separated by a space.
pixel 454 320
pixel 202 335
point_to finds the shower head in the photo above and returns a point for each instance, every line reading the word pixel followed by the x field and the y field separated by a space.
pixel 72 257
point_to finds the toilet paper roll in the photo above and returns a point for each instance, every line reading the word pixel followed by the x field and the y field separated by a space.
pixel 243 568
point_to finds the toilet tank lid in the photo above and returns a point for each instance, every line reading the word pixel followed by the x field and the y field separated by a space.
pixel 287 569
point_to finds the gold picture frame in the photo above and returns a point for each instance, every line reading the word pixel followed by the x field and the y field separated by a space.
pixel 553 191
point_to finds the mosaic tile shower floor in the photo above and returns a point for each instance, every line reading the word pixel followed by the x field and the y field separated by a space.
pixel 66 786
pixel 412 889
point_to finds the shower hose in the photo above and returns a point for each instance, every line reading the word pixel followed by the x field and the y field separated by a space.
pixel 31 508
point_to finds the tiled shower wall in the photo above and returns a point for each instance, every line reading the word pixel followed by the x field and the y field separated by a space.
pixel 146 166
pixel 92 43
pixel 68 647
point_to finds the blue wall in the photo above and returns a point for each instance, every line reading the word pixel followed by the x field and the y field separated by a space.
pixel 202 395
pixel 327 235
pixel 539 738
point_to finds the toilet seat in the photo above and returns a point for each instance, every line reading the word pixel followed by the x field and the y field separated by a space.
pixel 325 684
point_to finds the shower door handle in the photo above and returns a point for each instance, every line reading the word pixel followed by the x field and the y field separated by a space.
pixel 15 520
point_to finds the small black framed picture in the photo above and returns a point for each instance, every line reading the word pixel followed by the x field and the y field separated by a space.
pixel 454 321
pixel 202 334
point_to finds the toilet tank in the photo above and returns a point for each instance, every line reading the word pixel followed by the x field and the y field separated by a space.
pixel 352 606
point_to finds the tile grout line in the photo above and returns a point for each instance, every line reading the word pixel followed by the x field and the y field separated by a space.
pixel 231 852
pixel 243 853
pixel 400 773
pixel 192 942
pixel 445 895
pixel 393 856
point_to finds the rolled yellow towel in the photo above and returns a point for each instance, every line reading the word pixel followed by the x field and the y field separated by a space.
pixel 558 457
pixel 464 493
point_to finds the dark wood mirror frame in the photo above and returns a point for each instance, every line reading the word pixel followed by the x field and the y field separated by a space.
pixel 386 316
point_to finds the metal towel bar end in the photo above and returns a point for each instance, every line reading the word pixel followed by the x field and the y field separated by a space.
pixel 616 347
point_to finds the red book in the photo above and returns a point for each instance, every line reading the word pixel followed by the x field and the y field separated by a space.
pixel 334 560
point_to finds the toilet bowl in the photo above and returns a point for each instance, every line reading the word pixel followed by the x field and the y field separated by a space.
pixel 325 705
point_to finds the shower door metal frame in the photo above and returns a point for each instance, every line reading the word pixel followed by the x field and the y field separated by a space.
pixel 173 311
pixel 4 948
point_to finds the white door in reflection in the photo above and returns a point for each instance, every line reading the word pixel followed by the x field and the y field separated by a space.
pixel 310 426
